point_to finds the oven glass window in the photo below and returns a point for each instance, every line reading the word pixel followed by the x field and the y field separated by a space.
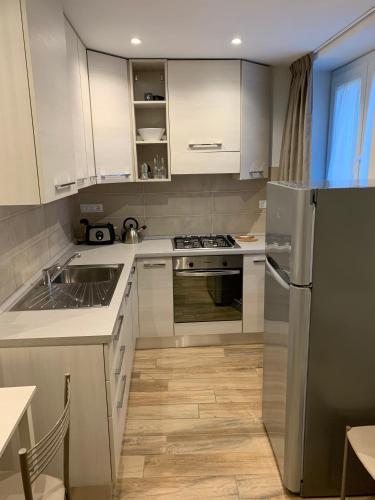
pixel 202 298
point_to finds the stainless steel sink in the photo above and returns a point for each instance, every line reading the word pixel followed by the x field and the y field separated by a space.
pixel 87 274
pixel 73 287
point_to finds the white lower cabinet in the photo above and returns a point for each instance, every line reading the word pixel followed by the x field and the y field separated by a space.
pixel 155 296
pixel 100 378
pixel 253 293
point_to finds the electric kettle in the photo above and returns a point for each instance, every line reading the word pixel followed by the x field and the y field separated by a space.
pixel 131 232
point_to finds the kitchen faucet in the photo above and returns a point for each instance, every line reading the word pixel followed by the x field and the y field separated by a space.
pixel 48 277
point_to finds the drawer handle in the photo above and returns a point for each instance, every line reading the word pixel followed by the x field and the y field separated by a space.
pixel 64 186
pixel 208 145
pixel 121 320
pixel 120 402
pixel 122 355
pixel 259 260
pixel 150 265
pixel 128 289
pixel 133 269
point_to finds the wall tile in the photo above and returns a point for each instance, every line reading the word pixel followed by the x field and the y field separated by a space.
pixel 226 182
pixel 238 224
pixel 30 237
pixel 115 205
pixel 180 183
pixel 168 226
pixel 178 204
pixel 236 202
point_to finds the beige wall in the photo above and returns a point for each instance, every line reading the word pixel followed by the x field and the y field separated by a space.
pixel 30 236
pixel 189 204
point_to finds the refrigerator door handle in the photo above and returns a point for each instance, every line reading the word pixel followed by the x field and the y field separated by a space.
pixel 276 275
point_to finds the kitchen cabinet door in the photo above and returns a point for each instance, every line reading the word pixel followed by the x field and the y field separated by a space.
pixel 36 142
pixel 204 116
pixel 78 126
pixel 46 56
pixel 110 107
pixel 18 168
pixel 86 106
pixel 155 296
pixel 253 293
pixel 255 120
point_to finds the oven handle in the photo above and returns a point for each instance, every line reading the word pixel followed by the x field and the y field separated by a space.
pixel 225 272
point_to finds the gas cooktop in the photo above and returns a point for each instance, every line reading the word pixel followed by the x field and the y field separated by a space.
pixel 211 241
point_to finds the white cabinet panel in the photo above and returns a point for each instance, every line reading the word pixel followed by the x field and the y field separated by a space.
pixel 82 55
pixel 253 293
pixel 110 106
pixel 43 25
pixel 78 127
pixel 19 179
pixel 155 296
pixel 204 115
pixel 255 120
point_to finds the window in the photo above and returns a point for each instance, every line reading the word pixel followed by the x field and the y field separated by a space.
pixel 351 154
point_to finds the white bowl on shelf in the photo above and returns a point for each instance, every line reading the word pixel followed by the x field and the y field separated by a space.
pixel 151 134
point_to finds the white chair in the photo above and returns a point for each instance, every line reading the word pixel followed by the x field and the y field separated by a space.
pixel 362 441
pixel 30 483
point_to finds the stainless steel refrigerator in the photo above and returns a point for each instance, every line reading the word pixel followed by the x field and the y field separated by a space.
pixel 319 355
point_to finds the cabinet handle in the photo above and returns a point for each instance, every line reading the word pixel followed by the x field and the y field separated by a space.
pixel 128 289
pixel 65 185
pixel 120 402
pixel 121 320
pixel 104 176
pixel 208 145
pixel 133 269
pixel 258 260
pixel 150 265
pixel 122 355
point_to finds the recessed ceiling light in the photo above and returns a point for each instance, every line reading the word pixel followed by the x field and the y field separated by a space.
pixel 236 41
pixel 135 41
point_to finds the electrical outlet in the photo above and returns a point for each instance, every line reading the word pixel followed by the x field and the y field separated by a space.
pixel 91 208
pixel 262 203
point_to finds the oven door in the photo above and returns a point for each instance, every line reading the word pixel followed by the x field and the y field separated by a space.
pixel 207 295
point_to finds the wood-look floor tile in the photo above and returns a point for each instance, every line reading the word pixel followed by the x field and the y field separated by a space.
pixel 179 488
pixel 254 486
pixel 252 395
pixel 183 426
pixel 138 385
pixel 131 466
pixel 185 352
pixel 208 464
pixel 229 410
pixel 253 361
pixel 164 411
pixel 199 443
pixel 171 397
pixel 198 372
pixel 216 383
pixel 141 363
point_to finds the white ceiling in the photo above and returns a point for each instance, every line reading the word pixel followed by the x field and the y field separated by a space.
pixel 272 31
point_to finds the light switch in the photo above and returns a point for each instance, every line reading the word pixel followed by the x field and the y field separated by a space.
pixel 90 208
pixel 262 203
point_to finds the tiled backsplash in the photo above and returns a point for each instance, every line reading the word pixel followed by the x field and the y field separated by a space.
pixel 30 237
pixel 190 204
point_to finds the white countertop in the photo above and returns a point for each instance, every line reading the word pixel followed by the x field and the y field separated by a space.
pixel 14 401
pixel 95 325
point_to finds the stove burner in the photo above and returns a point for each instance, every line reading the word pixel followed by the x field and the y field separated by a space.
pixel 212 241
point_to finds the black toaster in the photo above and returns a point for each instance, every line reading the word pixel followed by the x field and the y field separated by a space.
pixel 98 234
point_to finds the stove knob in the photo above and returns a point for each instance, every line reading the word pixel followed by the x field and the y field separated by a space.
pixel 191 264
pixel 225 263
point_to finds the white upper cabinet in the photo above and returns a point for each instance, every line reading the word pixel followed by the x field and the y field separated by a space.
pixel 110 107
pixel 43 25
pixel 80 108
pixel 36 144
pixel 204 116
pixel 255 120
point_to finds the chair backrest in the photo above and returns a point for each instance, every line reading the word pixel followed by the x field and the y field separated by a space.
pixel 34 460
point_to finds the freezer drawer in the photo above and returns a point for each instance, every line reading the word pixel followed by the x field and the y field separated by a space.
pixel 287 311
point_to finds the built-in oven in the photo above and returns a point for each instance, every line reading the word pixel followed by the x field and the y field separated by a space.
pixel 207 288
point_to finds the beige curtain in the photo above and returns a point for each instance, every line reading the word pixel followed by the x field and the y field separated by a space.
pixel 295 147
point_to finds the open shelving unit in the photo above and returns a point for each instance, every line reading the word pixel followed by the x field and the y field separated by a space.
pixel 149 76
